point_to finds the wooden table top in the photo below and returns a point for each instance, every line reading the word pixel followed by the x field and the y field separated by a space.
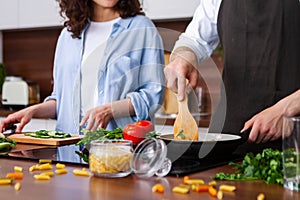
pixel 69 186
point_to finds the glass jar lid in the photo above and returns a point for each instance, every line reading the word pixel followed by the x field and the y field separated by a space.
pixel 149 158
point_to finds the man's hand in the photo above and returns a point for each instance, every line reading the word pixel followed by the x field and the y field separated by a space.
pixel 267 125
pixel 183 66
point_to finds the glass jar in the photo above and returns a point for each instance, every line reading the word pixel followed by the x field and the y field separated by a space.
pixel 116 158
pixel 110 158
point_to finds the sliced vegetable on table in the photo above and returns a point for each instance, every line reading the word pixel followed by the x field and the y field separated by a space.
pixel 44 134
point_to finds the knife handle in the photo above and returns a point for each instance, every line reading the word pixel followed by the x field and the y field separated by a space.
pixel 10 129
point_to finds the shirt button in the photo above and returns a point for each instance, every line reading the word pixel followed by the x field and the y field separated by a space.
pixel 101 92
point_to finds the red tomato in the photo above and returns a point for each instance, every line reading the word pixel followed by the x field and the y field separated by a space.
pixel 146 125
pixel 137 131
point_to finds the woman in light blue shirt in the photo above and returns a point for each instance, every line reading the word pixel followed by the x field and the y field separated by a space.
pixel 125 69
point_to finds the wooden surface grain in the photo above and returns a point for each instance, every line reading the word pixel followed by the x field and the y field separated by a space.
pixel 69 186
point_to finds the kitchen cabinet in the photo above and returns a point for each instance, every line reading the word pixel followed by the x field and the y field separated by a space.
pixel 16 14
pixel 169 9
pixel 39 13
pixel 8 14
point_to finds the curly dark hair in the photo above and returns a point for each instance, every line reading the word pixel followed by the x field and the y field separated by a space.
pixel 78 12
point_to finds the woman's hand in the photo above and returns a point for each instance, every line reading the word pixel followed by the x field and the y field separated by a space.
pixel 43 110
pixel 97 117
pixel 100 116
pixel 23 117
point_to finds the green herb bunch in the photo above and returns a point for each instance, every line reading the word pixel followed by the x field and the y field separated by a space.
pixel 100 134
pixel 265 166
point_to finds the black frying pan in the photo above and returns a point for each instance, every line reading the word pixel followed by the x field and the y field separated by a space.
pixel 209 145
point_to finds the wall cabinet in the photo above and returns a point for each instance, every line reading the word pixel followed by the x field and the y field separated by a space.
pixel 8 14
pixel 16 14
pixel 39 13
pixel 169 9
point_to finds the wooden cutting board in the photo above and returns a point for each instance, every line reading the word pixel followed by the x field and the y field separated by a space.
pixel 21 138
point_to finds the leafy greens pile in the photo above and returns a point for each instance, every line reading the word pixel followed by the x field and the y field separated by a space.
pixel 265 166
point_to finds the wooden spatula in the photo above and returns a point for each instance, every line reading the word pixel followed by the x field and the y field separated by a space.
pixel 185 126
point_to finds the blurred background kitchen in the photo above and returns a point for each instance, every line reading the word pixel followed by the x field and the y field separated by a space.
pixel 28 33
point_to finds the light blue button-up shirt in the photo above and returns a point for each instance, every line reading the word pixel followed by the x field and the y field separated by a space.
pixel 131 67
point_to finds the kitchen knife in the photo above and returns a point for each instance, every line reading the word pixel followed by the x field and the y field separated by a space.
pixel 9 130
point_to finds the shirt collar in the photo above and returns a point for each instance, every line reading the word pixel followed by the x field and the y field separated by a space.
pixel 123 22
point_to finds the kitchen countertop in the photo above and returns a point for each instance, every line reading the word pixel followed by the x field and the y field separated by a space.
pixel 69 186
